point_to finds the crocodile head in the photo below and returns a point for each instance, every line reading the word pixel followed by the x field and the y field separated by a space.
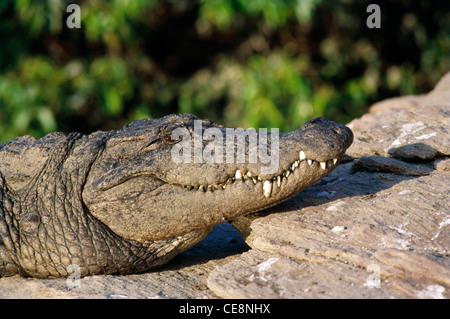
pixel 167 177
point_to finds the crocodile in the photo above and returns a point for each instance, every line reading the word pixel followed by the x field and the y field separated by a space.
pixel 122 202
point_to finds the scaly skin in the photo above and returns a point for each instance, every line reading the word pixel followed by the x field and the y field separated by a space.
pixel 117 202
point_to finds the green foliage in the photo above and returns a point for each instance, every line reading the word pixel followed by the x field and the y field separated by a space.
pixel 248 63
pixel 225 13
pixel 269 90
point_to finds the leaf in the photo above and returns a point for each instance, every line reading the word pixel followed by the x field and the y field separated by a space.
pixel 46 119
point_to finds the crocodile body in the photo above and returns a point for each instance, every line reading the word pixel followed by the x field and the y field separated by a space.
pixel 122 202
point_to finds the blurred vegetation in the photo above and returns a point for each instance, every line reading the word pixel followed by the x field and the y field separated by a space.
pixel 248 63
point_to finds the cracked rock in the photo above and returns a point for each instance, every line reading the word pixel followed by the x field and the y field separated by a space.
pixel 377 227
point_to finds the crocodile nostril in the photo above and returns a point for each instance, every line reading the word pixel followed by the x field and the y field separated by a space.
pixel 336 130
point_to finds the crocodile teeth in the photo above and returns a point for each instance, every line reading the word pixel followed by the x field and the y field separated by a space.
pixel 267 185
pixel 267 188
pixel 302 155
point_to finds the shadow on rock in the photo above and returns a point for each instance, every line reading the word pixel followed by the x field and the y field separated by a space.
pixel 365 176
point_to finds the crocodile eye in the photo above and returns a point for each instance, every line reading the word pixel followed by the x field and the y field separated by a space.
pixel 167 139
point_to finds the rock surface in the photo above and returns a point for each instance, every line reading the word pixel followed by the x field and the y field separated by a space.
pixel 377 227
